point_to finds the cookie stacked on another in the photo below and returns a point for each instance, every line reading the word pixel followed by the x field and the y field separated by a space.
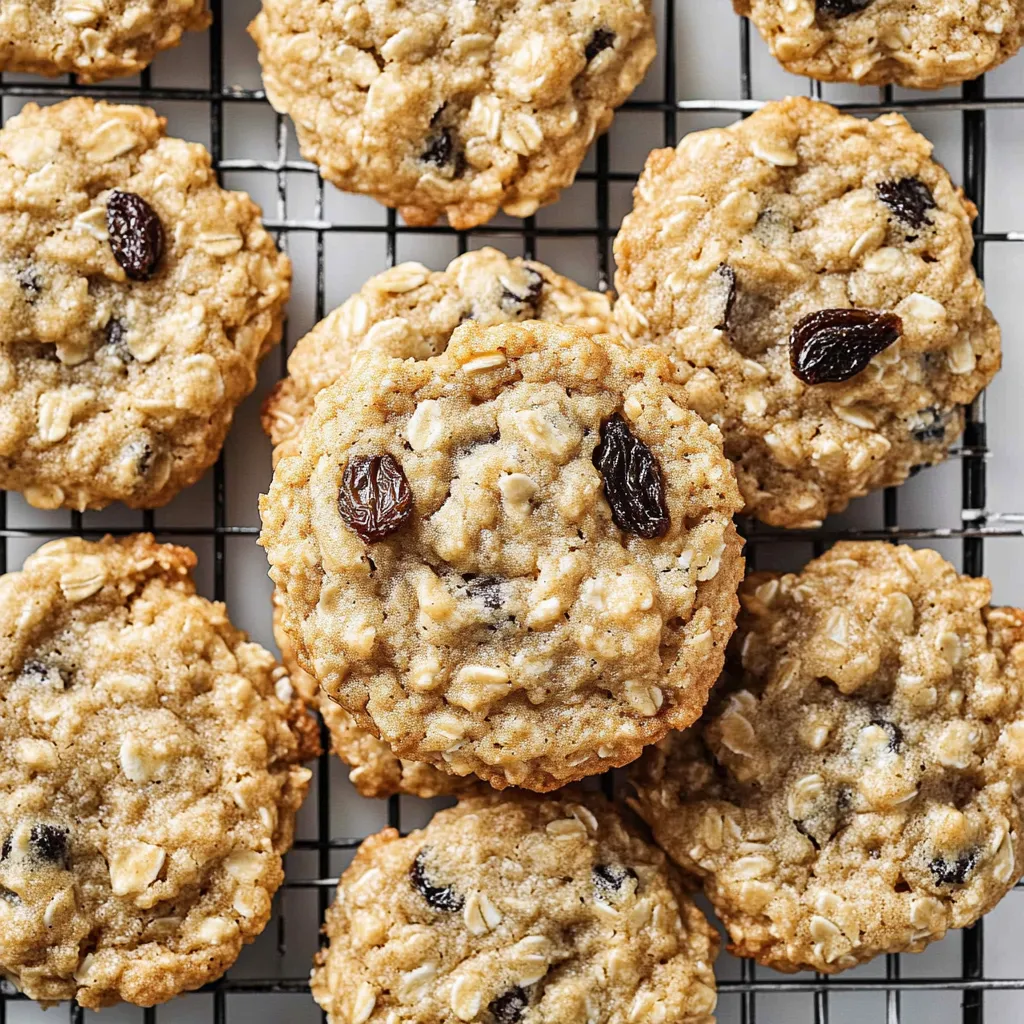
pixel 149 776
pixel 510 909
pixel 409 312
pixel 514 559
pixel 809 273
pixel 855 787
pixel 138 300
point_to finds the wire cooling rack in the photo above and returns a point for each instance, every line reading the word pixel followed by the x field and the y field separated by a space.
pixel 337 241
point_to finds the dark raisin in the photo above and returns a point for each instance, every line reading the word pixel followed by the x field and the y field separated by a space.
pixel 727 278
pixel 522 301
pixel 117 338
pixel 49 843
pixel 440 897
pixel 933 423
pixel 374 499
pixel 632 481
pixel 9 897
pixel 841 8
pixel 909 198
pixel 893 731
pixel 485 589
pixel 5 848
pixel 136 234
pixel 510 1007
pixel 31 283
pixel 953 872
pixel 609 877
pixel 601 40
pixel 440 149
pixel 833 345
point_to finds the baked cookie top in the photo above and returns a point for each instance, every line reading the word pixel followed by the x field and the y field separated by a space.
pixel 452 108
pixel 810 275
pixel 137 298
pixel 376 771
pixel 855 789
pixel 921 44
pixel 410 312
pixel 94 39
pixel 515 909
pixel 149 776
pixel 516 558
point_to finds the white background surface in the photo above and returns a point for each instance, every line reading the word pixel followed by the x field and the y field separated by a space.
pixel 707 68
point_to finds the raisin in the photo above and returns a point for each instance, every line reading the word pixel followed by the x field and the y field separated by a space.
pixel 136 234
pixel 632 481
pixel 833 345
pixel 443 152
pixel 31 283
pixel 510 1007
pixel 933 424
pixel 610 877
pixel 9 897
pixel 442 897
pixel 5 848
pixel 49 843
pixel 117 338
pixel 953 872
pixel 727 277
pixel 841 8
pixel 522 301
pixel 601 40
pixel 909 198
pixel 374 499
pixel 485 589
pixel 893 731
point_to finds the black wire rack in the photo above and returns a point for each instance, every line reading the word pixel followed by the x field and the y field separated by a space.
pixel 976 523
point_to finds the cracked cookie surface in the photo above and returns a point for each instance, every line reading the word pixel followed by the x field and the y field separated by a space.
pixel 452 108
pixel 855 788
pixel 515 909
pixel 138 299
pixel 450 566
pixel 740 235
pixel 920 44
pixel 149 776
pixel 94 39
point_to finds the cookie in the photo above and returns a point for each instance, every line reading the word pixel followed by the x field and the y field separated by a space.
pixel 149 776
pixel 920 45
pixel 137 298
pixel 376 771
pixel 855 787
pixel 93 39
pixel 515 910
pixel 410 312
pixel 515 559
pixel 810 274
pixel 458 109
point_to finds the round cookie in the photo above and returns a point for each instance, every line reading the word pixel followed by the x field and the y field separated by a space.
pixel 376 771
pixel 855 787
pixel 410 312
pixel 515 910
pixel 810 275
pixel 149 776
pixel 138 298
pixel 459 109
pixel 93 39
pixel 920 44
pixel 454 575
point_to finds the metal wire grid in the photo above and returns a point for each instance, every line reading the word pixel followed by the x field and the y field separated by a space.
pixel 975 526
